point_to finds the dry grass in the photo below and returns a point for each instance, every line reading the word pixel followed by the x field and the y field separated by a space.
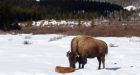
pixel 27 42
pixel 110 30
pixel 57 38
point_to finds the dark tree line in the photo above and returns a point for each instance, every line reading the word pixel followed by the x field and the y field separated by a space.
pixel 80 8
pixel 14 11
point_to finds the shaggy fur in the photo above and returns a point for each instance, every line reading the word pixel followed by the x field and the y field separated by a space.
pixel 87 47
pixel 60 69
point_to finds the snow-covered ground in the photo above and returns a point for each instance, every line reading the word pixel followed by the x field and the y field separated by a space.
pixel 44 53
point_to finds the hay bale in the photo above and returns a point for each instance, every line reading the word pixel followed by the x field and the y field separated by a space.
pixel 61 69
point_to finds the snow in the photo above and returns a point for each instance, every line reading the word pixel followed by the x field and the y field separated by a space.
pixel 42 56
pixel 61 23
pixel 138 14
pixel 131 7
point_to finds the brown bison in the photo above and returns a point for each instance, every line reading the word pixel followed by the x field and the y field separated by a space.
pixel 83 47
pixel 60 69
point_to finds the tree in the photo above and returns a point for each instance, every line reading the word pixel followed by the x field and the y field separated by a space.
pixel 5 15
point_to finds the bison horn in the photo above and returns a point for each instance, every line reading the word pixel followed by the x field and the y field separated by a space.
pixel 68 53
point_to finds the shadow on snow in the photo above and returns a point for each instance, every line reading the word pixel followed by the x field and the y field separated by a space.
pixel 115 68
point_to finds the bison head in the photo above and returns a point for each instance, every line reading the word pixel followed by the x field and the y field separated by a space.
pixel 72 57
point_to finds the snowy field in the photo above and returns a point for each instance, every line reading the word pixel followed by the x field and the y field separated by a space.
pixel 43 53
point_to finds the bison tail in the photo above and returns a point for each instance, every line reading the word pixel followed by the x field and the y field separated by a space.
pixel 106 52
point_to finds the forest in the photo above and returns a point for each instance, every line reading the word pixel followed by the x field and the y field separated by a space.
pixel 14 11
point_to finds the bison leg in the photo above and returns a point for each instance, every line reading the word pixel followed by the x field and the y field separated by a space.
pixel 99 60
pixel 79 59
pixel 103 62
pixel 82 61
pixel 83 65
pixel 79 65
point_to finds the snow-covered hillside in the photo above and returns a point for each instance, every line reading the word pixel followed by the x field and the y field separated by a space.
pixel 130 8
pixel 60 23
pixel 43 53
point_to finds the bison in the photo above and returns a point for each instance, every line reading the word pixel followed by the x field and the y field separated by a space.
pixel 83 47
pixel 60 69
